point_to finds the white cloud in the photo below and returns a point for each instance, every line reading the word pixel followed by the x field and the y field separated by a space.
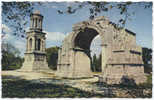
pixel 50 5
pixel 27 29
pixel 55 7
pixel 6 33
pixel 20 44
pixel 55 36
pixel 5 28
pixel 70 4
pixel 7 37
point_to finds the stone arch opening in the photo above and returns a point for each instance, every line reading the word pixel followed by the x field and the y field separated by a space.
pixel 84 38
pixel 82 42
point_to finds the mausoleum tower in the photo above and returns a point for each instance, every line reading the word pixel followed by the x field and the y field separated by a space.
pixel 35 55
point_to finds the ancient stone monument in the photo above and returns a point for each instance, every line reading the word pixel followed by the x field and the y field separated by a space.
pixel 120 55
pixel 35 56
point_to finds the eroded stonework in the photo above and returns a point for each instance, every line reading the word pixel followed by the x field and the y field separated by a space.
pixel 35 56
pixel 120 55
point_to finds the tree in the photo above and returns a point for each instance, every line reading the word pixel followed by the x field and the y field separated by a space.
pixel 100 63
pixel 10 57
pixel 147 59
pixel 146 55
pixel 15 13
pixel 52 57
pixel 96 63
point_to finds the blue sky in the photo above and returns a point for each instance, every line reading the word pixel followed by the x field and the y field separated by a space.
pixel 57 26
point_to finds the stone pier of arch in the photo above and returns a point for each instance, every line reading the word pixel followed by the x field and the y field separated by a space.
pixel 121 56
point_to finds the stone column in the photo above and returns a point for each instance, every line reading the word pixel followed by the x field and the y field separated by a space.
pixel 38 24
pixel 104 57
pixel 31 22
pixel 27 45
pixel 42 44
pixel 33 44
pixel 36 43
pixel 35 22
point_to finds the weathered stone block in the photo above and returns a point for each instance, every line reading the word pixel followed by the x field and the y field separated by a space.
pixel 121 56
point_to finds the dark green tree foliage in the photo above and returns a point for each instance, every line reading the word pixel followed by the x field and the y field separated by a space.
pixel 96 63
pixel 146 55
pixel 99 63
pixel 14 15
pixel 147 59
pixel 10 57
pixel 52 57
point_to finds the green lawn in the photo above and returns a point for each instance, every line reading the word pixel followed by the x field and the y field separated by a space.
pixel 15 87
pixel 22 88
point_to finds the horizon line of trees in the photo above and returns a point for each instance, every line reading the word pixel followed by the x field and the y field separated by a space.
pixel 12 60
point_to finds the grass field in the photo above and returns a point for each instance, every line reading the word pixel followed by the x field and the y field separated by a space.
pixel 19 88
pixel 15 87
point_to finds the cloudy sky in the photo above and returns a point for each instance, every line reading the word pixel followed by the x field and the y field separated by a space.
pixel 57 26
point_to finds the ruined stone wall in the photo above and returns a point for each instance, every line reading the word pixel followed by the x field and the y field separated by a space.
pixel 122 57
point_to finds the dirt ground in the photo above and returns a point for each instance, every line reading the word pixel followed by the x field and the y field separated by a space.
pixel 28 75
pixel 41 75
pixel 85 84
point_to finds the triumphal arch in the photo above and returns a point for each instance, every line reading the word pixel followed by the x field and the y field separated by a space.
pixel 121 56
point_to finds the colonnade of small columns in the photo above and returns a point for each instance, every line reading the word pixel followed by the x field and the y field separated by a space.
pixel 35 45
pixel 36 23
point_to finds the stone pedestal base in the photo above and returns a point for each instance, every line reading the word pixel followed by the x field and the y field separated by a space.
pixel 35 66
pixel 35 62
pixel 116 74
pixel 74 74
